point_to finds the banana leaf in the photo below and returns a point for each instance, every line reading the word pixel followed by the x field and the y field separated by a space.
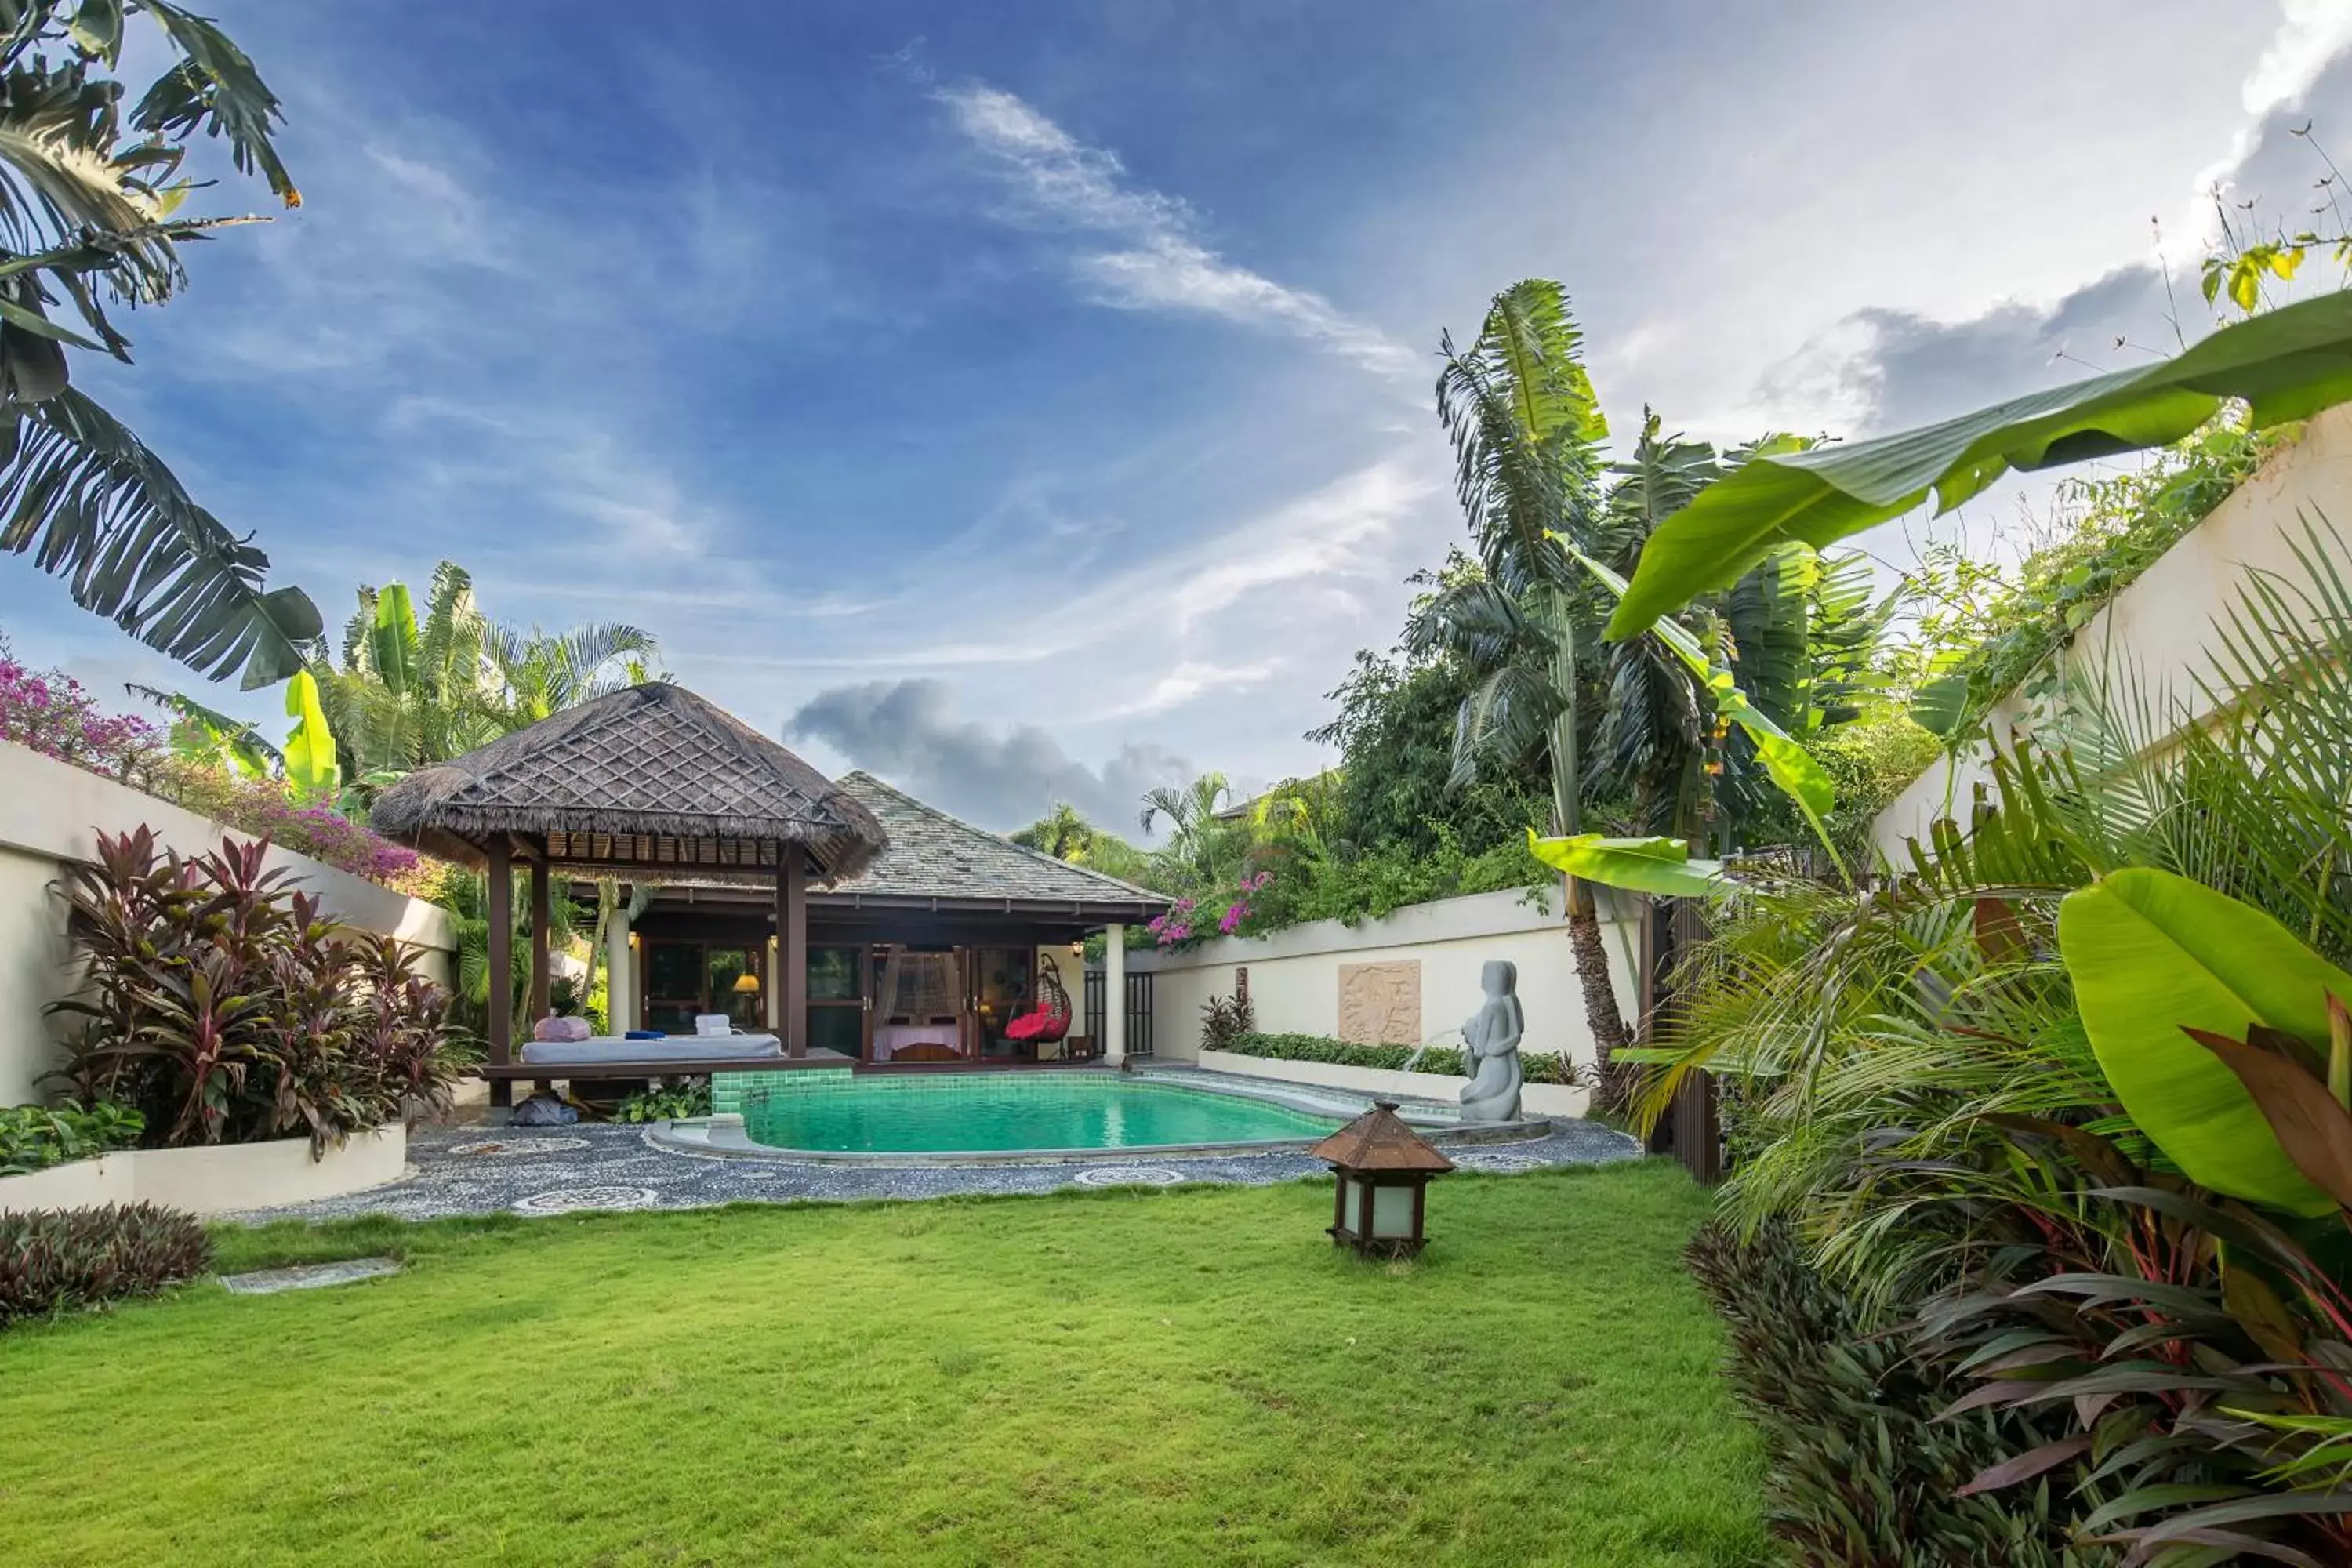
pixel 1792 768
pixel 1661 866
pixel 2153 955
pixel 2288 363
pixel 393 641
pixel 310 765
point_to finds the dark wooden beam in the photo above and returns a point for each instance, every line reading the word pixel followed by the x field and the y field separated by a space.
pixel 542 917
pixel 791 946
pixel 501 956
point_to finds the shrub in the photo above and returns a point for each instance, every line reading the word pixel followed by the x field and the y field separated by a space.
pixel 35 1137
pixel 670 1104
pixel 1537 1067
pixel 52 1260
pixel 1226 1019
pixel 224 1008
pixel 1862 1470
pixel 54 714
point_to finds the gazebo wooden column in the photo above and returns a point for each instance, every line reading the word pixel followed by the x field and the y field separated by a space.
pixel 791 944
pixel 542 918
pixel 501 976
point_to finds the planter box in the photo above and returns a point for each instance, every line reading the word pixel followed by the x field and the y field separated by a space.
pixel 224 1178
pixel 1534 1098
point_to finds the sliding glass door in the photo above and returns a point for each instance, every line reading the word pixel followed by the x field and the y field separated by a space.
pixel 685 980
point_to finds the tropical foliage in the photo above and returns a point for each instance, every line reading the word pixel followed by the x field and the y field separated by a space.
pixel 222 1006
pixel 54 714
pixel 35 1137
pixel 2064 1103
pixel 412 690
pixel 92 192
pixel 57 1261
pixel 2282 365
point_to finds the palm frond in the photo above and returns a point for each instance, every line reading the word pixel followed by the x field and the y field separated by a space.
pixel 93 505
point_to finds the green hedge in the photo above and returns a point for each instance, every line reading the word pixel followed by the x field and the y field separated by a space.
pixel 1537 1066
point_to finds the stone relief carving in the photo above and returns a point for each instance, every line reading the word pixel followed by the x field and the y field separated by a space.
pixel 1380 1003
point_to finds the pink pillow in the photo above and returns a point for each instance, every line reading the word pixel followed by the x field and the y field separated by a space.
pixel 553 1028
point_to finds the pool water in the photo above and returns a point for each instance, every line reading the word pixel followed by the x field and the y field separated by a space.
pixel 974 1112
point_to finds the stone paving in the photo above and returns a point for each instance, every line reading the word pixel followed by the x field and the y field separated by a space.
pixel 569 1170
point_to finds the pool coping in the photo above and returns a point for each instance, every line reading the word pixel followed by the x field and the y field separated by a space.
pixel 723 1136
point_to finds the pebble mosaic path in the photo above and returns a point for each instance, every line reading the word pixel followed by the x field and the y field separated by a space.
pixel 572 1170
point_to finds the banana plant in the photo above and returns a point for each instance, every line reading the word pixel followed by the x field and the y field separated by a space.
pixel 2288 363
pixel 312 770
pixel 1660 866
pixel 2224 1035
pixel 207 735
pixel 1791 767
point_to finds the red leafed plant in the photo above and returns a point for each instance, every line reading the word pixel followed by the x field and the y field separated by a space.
pixel 223 1006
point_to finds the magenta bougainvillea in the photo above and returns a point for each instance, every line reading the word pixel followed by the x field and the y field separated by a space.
pixel 1183 923
pixel 54 714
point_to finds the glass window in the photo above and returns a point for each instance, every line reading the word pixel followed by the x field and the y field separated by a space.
pixel 673 972
pixel 832 974
pixel 839 1029
pixel 730 968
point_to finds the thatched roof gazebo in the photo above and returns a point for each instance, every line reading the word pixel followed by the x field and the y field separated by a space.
pixel 648 784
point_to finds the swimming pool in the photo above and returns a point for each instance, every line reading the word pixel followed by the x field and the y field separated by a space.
pixel 995 1112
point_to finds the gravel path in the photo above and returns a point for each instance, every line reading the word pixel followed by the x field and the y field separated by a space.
pixel 566 1170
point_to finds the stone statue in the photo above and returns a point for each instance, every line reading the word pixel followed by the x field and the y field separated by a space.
pixel 1490 1048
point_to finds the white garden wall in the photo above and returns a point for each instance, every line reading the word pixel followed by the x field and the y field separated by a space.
pixel 224 1178
pixel 1295 976
pixel 2158 633
pixel 50 814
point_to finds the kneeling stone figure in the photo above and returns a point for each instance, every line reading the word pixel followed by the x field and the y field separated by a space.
pixel 1490 1048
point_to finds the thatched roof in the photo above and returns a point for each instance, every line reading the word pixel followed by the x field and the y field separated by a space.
pixel 1379 1141
pixel 650 779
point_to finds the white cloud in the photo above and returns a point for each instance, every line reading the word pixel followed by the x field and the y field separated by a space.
pixel 1159 262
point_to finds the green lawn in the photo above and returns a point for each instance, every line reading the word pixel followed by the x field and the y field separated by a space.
pixel 1175 1377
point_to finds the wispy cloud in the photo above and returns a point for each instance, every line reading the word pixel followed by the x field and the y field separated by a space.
pixel 1156 258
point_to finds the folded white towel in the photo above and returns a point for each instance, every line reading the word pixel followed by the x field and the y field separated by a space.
pixel 713 1024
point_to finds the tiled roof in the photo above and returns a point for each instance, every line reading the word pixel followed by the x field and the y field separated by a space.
pixel 933 855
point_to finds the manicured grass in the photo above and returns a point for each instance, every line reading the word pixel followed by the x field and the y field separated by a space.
pixel 1190 1377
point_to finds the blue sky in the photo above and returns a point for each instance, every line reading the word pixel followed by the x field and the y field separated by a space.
pixel 1032 401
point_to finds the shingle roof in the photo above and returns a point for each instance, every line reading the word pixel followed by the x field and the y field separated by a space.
pixel 1379 1141
pixel 933 855
pixel 650 774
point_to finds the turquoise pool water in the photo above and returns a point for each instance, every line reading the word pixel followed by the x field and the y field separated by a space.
pixel 973 1112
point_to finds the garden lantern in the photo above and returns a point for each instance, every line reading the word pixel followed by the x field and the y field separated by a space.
pixel 1382 1168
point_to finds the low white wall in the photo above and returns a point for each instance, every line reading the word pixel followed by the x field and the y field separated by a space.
pixel 1536 1099
pixel 225 1178
pixel 1294 974
pixel 50 817
pixel 2158 636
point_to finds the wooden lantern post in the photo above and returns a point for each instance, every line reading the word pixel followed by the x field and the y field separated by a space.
pixel 1382 1170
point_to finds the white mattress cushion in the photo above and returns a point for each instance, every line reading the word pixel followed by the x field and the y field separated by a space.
pixel 672 1049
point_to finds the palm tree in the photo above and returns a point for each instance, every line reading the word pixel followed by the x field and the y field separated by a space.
pixel 1526 425
pixel 1200 845
pixel 1800 635
pixel 541 673
pixel 1063 832
pixel 409 692
pixel 90 197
